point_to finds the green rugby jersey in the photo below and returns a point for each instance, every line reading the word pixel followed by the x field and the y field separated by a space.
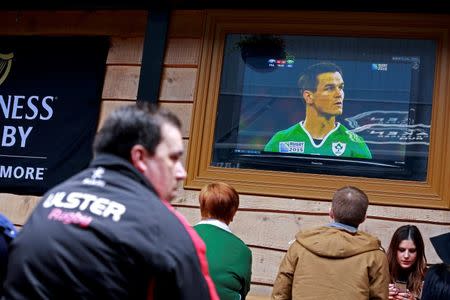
pixel 338 142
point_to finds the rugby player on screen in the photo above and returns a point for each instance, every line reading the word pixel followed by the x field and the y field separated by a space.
pixel 322 88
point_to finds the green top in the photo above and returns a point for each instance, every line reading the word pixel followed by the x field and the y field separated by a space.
pixel 229 261
pixel 338 142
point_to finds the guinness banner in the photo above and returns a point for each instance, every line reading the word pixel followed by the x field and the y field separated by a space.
pixel 50 91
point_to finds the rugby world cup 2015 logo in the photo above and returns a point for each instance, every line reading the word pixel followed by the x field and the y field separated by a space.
pixel 5 65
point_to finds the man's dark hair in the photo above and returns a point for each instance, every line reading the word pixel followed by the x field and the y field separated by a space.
pixel 130 125
pixel 308 79
pixel 349 206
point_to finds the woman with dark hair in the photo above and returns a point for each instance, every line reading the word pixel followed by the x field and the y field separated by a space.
pixel 229 258
pixel 407 263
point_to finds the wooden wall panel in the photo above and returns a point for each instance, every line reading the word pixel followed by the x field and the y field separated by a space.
pixel 183 112
pixel 121 82
pixel 17 207
pixel 268 230
pixel 108 106
pixel 265 265
pixel 187 23
pixel 126 51
pixel 185 145
pixel 310 207
pixel 259 292
pixel 182 52
pixel 178 84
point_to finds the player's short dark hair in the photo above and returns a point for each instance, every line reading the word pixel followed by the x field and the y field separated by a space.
pixel 308 79
pixel 349 206
pixel 130 125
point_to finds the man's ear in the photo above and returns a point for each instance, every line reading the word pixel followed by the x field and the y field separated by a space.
pixel 138 154
pixel 330 213
pixel 308 96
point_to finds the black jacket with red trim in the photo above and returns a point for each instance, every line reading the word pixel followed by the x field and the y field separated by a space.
pixel 104 234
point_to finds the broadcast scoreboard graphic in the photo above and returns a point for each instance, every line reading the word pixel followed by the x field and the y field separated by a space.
pixel 389 127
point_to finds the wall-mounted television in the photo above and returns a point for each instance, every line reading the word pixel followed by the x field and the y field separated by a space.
pixel 371 118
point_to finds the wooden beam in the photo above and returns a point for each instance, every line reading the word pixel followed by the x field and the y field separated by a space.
pixel 153 55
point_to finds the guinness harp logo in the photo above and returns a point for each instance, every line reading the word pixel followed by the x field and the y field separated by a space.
pixel 5 65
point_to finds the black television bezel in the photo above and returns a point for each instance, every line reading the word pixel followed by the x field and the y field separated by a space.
pixel 375 168
pixel 316 164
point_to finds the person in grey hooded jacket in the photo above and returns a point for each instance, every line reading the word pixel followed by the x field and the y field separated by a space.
pixel 336 261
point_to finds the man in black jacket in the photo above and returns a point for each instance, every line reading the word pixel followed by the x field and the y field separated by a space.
pixel 109 232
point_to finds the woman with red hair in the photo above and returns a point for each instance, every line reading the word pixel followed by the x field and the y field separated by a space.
pixel 229 258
